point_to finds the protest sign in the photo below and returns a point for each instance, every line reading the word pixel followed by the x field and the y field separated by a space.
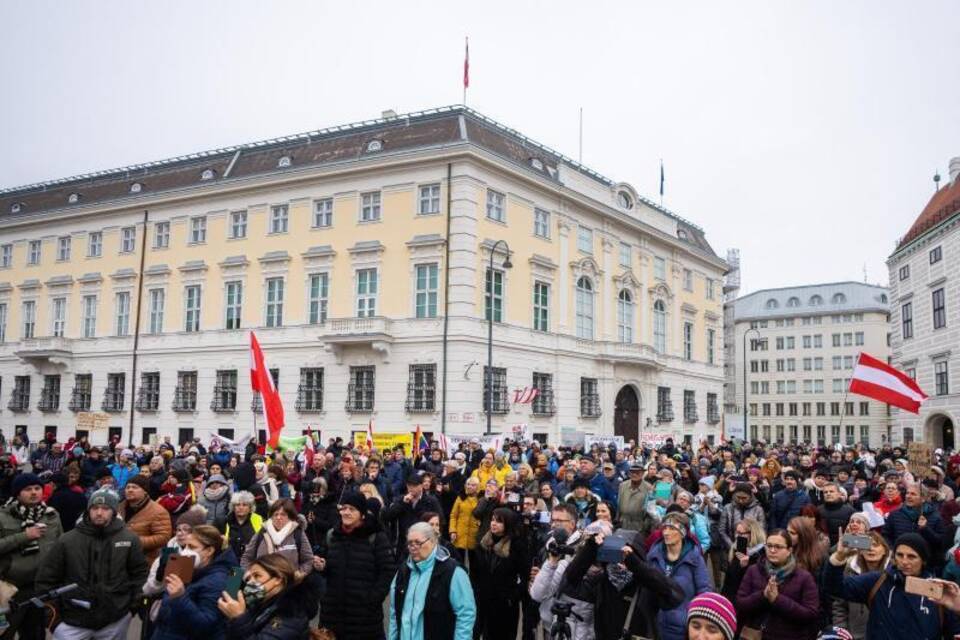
pixel 603 441
pixel 655 438
pixel 385 441
pixel 90 421
pixel 570 437
pixel 487 442
pixel 235 446
pixel 920 457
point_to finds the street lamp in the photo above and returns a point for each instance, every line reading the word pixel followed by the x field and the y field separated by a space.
pixel 746 436
pixel 489 377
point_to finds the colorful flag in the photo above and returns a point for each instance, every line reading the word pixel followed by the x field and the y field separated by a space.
pixel 262 382
pixel 370 435
pixel 466 64
pixel 308 449
pixel 876 379
pixel 525 395
pixel 420 443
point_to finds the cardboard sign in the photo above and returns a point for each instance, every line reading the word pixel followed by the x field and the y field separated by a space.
pixel 920 457
pixel 90 421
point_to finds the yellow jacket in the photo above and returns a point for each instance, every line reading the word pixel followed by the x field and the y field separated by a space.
pixel 463 523
pixel 485 474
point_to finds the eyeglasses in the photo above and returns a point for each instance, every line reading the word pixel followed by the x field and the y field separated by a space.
pixel 415 544
pixel 560 520
pixel 777 547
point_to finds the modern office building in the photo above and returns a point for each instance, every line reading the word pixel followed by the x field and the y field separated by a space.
pixel 801 346
pixel 925 318
pixel 360 256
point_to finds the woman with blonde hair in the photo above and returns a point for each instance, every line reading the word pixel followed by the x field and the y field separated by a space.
pixel 751 531
pixel 852 616
pixel 463 526
pixel 526 479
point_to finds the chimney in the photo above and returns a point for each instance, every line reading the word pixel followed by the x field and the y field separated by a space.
pixel 955 170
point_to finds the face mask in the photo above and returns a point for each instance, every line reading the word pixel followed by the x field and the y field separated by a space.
pixel 253 592
pixel 190 553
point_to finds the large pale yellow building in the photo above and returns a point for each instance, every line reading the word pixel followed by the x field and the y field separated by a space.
pixel 359 255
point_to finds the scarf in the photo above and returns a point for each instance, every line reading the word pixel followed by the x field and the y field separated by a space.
pixel 214 494
pixel 499 547
pixel 28 517
pixel 619 575
pixel 275 538
pixel 781 573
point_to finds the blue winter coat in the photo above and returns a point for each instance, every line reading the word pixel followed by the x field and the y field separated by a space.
pixel 122 474
pixel 904 520
pixel 787 505
pixel 691 574
pixel 895 614
pixel 195 614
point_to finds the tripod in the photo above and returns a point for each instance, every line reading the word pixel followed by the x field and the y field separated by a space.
pixel 560 630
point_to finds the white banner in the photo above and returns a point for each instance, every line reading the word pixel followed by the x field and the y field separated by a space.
pixel 493 441
pixel 236 446
pixel 733 426
pixel 656 439
pixel 603 441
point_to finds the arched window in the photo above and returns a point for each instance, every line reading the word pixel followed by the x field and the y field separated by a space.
pixel 839 298
pixel 660 326
pixel 772 304
pixel 584 308
pixel 793 302
pixel 815 301
pixel 883 297
pixel 625 316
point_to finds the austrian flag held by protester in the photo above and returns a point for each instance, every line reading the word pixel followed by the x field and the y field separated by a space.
pixel 262 382
pixel 878 380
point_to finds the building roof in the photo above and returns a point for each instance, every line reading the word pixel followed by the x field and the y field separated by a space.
pixel 812 299
pixel 434 128
pixel 944 204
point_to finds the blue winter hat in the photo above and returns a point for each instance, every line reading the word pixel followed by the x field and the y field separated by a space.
pixel 24 480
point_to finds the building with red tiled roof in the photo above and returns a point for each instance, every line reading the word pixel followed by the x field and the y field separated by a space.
pixel 925 316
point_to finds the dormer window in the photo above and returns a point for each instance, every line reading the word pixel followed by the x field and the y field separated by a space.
pixel 883 297
pixel 207 174
pixel 815 301
pixel 73 198
pixel 374 145
pixel 624 200
pixel 15 207
pixel 682 234
pixel 536 163
pixel 136 187
pixel 284 161
pixel 839 298
pixel 793 302
pixel 772 304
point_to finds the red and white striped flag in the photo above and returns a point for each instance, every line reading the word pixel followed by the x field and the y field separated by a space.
pixel 262 382
pixel 525 395
pixel 370 435
pixel 466 64
pixel 876 379
pixel 308 450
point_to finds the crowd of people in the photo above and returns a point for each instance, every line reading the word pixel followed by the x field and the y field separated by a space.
pixel 679 542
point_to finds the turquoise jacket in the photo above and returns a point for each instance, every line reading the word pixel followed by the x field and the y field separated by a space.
pixel 461 600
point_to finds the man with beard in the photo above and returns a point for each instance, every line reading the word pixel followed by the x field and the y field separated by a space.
pixel 145 517
pixel 835 511
pixel 105 560
pixel 28 529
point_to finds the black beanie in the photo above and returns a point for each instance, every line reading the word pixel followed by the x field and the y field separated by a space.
pixel 354 499
pixel 916 542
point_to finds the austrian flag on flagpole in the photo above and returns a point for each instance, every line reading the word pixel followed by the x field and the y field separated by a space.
pixel 875 379
pixel 262 382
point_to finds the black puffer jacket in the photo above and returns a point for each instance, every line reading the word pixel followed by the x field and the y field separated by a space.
pixel 360 566
pixel 321 517
pixel 108 565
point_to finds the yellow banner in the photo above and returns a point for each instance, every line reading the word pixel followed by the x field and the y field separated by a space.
pixel 385 441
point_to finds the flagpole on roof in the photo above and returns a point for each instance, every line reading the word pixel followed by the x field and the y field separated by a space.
pixel 466 67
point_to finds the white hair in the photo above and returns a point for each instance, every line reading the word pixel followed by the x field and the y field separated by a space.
pixel 242 497
pixel 425 529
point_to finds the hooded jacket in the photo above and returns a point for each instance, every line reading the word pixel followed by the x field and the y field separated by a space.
pixel 195 614
pixel 690 573
pixel 108 565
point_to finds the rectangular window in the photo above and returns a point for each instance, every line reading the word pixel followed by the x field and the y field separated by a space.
pixel 821 408
pixel 624 317
pixel 370 206
pixel 322 213
pixel 161 235
pixel 589 398
pixel 20 401
pixel 63 248
pixel 818 386
pixel 936 254
pixel 541 223
pixel 848 339
pixel 429 201
pixel 904 272
pixel 941 377
pixel 319 289
pixel 766 408
pixel 50 393
pixel 808 386
pixel 906 318
pixel 711 294
pixel 818 364
pixel 585 239
pixel 779 408
pixel 422 388
pixel 33 252
pixel 81 396
pixel 687 340
pixel 495 391
pixel 58 313
pixel 279 218
pixel 95 244
pixel 664 405
pixel 807 410
pixel 864 408
pixel 543 404
pixel 426 291
pixel 865 434
pixel 157 303
pixel 234 306
pixel 148 395
pixel 808 364
pixel 781 386
pixel 360 392
pixel 791 342
pixel 713 409
pixel 835 434
pixel 6 256
pixel 780 343
pixel 850 434
pixel 238 225
pixel 493 296
pixel 858 338
pixel 122 307
pixel 29 319
pixel 113 396
pixel 225 391
pixel 659 268
pixel 310 391
pixel 541 306
pixel 791 364
pixel 89 316
pixel 191 295
pixel 366 293
pixel 837 363
pixel 128 239
pixel 275 302
pixel 495 201
pixel 939 309
pixel 626 255
pixel 185 395
pixel 818 341
pixel 711 339
pixel 792 409
pixel 689 407
pixel 687 280
pixel 198 230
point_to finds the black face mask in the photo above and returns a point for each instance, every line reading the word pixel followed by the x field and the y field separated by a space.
pixel 930 483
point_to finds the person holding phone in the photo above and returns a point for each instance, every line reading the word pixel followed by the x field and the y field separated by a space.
pixel 893 612
pixel 746 551
pixel 853 616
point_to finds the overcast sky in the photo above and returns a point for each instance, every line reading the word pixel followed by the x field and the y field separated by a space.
pixel 804 133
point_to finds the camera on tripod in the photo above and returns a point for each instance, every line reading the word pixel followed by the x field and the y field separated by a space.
pixel 560 630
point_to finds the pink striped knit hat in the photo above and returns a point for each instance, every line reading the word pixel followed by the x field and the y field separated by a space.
pixel 717 609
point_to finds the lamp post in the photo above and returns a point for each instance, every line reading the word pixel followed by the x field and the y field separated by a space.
pixel 489 377
pixel 746 435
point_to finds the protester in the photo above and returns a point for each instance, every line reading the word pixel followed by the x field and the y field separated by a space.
pixel 711 616
pixel 408 508
pixel 753 536
pixel 788 502
pixel 282 533
pixel 215 498
pixel 463 525
pixel 853 616
pixel 499 575
pixel 547 587
pixel 144 517
pixel 242 523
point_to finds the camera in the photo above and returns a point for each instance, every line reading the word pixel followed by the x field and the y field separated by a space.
pixel 556 544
